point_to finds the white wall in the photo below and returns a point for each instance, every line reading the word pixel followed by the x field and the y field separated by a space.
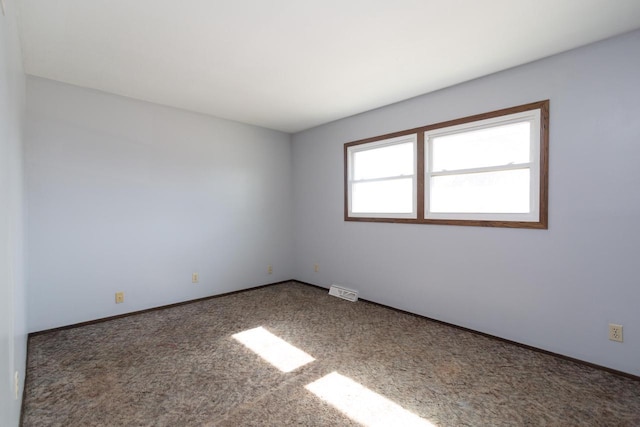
pixel 12 281
pixel 555 289
pixel 130 196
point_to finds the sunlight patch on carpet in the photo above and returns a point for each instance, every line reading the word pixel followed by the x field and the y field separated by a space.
pixel 361 404
pixel 273 349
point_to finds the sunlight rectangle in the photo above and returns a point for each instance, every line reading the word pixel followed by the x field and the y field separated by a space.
pixel 273 349
pixel 361 404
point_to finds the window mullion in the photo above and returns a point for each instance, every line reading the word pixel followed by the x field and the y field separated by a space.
pixel 420 175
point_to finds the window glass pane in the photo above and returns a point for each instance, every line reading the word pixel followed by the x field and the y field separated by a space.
pixel 487 192
pixel 392 160
pixel 393 196
pixel 495 146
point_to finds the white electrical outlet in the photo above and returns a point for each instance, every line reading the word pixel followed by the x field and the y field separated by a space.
pixel 195 277
pixel 615 332
pixel 270 269
pixel 316 268
pixel 16 384
pixel 119 297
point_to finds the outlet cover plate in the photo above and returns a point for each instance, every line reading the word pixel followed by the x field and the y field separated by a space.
pixel 615 332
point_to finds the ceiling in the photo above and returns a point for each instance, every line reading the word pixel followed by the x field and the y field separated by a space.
pixel 294 64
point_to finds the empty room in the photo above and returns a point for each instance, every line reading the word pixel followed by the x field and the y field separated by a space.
pixel 358 213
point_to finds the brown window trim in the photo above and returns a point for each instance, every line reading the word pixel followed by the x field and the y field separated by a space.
pixel 543 219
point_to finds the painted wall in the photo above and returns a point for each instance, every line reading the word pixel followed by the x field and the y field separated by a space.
pixel 555 289
pixel 130 196
pixel 13 340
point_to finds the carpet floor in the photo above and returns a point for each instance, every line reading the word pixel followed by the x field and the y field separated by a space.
pixel 350 364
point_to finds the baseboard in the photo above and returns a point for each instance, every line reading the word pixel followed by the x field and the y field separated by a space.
pixel 484 334
pixel 133 313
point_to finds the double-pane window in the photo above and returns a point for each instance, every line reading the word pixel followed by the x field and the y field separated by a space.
pixel 382 178
pixel 488 170
pixel 485 170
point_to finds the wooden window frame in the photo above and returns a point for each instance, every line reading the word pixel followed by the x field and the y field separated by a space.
pixel 543 217
pixel 410 138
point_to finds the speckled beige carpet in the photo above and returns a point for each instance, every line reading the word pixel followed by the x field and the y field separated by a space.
pixel 374 366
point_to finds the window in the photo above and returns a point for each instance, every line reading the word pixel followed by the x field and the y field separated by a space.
pixel 382 178
pixel 486 170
